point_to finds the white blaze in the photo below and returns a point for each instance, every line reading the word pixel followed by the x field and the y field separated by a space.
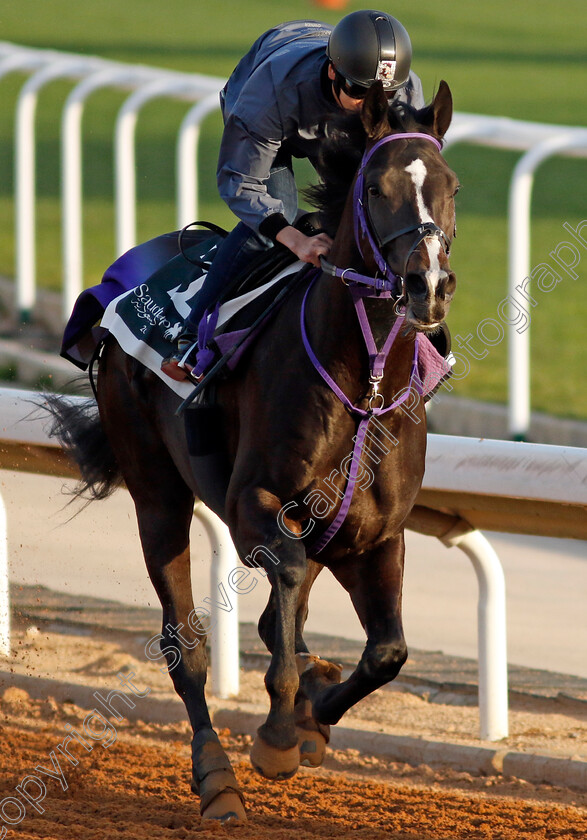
pixel 418 173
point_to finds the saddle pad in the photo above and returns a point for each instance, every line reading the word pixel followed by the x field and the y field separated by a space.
pixel 146 320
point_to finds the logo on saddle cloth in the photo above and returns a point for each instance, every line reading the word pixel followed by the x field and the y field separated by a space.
pixel 153 313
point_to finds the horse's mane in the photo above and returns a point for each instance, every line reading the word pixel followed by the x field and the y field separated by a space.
pixel 341 151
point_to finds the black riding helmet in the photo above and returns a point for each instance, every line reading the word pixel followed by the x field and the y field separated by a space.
pixel 367 46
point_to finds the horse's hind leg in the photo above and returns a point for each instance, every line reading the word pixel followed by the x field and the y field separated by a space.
pixel 313 736
pixel 164 539
pixel 164 506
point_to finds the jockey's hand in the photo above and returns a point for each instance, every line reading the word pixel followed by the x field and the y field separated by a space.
pixel 306 248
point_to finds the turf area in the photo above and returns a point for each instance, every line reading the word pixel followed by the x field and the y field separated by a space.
pixel 523 60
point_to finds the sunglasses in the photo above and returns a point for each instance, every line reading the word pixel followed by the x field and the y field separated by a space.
pixel 358 91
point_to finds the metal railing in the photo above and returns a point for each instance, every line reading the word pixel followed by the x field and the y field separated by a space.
pixel 92 74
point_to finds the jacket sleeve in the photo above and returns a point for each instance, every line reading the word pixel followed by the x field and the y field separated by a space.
pixel 252 136
pixel 415 92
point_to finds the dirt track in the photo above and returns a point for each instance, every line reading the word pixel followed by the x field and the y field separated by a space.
pixel 138 787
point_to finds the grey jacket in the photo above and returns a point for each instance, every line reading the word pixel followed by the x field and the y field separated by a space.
pixel 276 102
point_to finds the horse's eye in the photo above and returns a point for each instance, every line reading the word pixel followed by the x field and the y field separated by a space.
pixel 456 190
pixel 373 191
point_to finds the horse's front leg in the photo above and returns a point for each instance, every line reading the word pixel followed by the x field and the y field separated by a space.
pixel 268 618
pixel 275 753
pixel 312 735
pixel 375 587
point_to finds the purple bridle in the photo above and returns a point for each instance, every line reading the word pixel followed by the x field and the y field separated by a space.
pixel 389 280
pixel 361 286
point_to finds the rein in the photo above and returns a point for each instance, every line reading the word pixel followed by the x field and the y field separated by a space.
pixel 361 286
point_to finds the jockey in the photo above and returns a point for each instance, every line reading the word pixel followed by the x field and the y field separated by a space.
pixel 274 107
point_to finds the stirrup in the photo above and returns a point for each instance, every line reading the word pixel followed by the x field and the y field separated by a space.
pixel 180 364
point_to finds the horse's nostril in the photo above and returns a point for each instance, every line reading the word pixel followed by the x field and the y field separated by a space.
pixel 416 285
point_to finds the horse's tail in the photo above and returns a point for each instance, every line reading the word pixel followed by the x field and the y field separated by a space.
pixel 77 426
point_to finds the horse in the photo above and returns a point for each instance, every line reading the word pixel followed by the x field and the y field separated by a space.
pixel 320 391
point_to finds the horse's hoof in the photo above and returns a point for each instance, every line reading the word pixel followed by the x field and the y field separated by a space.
pixel 273 763
pixel 305 662
pixel 312 736
pixel 227 807
pixel 312 746
pixel 310 664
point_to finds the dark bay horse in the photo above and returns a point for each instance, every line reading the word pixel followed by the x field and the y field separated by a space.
pixel 293 415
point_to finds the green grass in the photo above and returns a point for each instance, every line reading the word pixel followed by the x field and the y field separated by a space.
pixel 522 59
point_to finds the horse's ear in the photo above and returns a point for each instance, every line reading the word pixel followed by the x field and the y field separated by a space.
pixel 438 114
pixel 442 106
pixel 442 109
pixel 374 112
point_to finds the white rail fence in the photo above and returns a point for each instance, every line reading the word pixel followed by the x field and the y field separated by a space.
pixel 537 141
pixel 469 483
pixel 91 75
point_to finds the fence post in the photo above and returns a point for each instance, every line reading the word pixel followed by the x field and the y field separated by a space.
pixel 187 159
pixel 491 631
pixel 72 176
pixel 124 156
pixel 25 181
pixel 224 634
pixel 519 270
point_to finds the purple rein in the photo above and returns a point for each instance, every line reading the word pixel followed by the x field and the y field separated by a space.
pixel 362 286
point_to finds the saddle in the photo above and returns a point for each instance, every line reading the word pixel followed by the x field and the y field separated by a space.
pixel 262 267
